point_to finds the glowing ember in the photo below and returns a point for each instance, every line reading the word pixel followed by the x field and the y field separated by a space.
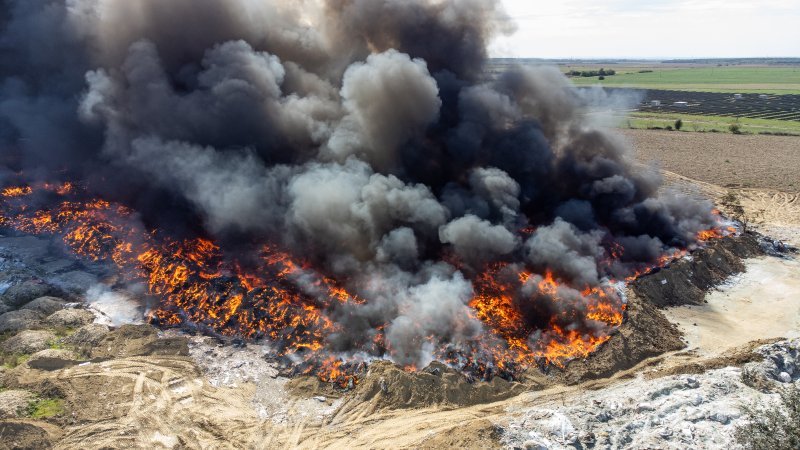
pixel 16 191
pixel 529 318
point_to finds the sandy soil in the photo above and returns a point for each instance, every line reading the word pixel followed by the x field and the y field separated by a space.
pixel 726 160
pixel 762 303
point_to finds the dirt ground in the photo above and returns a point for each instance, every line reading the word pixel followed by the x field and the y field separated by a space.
pixel 722 159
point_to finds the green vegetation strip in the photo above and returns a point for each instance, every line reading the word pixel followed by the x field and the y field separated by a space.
pixel 644 120
pixel 776 80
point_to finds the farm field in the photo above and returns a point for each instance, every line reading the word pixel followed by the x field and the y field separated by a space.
pixel 741 76
pixel 702 123
pixel 766 80
pixel 726 160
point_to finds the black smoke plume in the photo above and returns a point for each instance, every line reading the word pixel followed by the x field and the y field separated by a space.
pixel 360 134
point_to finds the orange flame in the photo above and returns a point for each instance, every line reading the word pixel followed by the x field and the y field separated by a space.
pixel 199 285
pixel 16 191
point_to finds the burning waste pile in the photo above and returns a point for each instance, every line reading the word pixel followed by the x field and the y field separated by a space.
pixel 335 176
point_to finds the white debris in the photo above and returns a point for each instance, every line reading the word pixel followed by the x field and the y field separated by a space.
pixel 645 407
pixel 674 412
pixel 230 366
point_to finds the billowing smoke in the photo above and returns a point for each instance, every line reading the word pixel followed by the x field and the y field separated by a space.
pixel 360 135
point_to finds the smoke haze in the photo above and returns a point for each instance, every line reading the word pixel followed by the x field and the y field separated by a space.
pixel 359 134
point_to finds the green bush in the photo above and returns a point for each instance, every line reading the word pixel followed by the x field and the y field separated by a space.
pixel 735 128
pixel 45 408
pixel 775 428
pixel 678 124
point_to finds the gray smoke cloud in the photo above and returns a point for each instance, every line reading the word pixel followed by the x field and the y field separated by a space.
pixel 358 134
pixel 562 248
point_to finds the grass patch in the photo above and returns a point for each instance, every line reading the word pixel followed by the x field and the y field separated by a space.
pixel 700 123
pixel 63 332
pixel 56 344
pixel 761 80
pixel 45 408
pixel 11 361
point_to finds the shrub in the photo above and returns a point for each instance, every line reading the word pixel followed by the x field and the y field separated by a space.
pixel 774 428
pixel 735 128
pixel 678 124
pixel 45 408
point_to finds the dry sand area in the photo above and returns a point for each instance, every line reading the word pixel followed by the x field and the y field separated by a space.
pixel 762 303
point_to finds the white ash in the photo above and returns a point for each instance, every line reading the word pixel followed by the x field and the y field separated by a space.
pixel 676 412
pixel 226 366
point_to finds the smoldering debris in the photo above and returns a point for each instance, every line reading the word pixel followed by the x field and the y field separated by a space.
pixel 357 135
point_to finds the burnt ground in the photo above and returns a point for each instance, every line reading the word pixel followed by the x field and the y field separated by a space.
pixel 688 280
pixel 95 370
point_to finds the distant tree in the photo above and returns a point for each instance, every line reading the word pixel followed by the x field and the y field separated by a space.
pixel 678 124
pixel 601 77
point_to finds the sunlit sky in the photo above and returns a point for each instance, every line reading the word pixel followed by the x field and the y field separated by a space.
pixel 651 29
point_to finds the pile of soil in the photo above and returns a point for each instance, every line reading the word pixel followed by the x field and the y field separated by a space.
pixel 21 434
pixel 646 331
pixel 388 386
pixel 686 281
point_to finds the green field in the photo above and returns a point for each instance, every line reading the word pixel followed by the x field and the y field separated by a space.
pixel 768 80
pixel 645 120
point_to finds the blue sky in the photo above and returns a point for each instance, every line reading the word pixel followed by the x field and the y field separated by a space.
pixel 651 28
